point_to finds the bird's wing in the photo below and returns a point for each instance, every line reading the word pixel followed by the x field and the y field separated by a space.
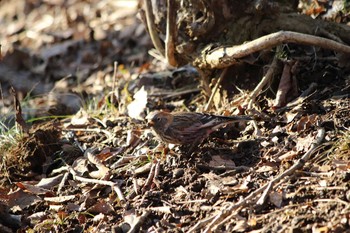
pixel 209 121
pixel 215 121
pixel 187 120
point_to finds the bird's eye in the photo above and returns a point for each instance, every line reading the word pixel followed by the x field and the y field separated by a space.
pixel 158 119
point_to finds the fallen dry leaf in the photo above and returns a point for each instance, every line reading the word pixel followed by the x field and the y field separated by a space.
pixel 276 198
pixel 303 144
pixel 218 160
pixel 136 109
pixel 287 89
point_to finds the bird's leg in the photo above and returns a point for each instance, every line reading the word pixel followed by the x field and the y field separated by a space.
pixel 164 149
pixel 192 148
pixel 197 142
pixel 161 147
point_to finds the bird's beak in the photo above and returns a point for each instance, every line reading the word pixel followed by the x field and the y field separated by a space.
pixel 150 123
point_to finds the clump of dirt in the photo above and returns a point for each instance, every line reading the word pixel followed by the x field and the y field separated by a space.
pixel 38 147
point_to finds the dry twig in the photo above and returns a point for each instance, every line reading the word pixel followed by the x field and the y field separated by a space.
pixel 215 89
pixel 140 220
pixel 150 178
pixel 113 185
pixel 265 80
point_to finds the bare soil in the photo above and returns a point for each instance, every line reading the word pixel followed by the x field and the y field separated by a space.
pixel 86 165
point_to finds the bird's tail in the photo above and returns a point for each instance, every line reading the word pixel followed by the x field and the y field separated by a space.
pixel 215 121
pixel 238 118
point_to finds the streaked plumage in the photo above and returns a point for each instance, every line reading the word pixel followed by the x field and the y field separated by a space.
pixel 188 127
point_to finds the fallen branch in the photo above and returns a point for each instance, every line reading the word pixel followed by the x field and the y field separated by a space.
pixel 223 57
pixel 152 28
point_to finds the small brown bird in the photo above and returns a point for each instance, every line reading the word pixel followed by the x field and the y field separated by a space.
pixel 188 127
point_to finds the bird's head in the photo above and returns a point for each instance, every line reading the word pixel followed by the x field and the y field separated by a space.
pixel 159 120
